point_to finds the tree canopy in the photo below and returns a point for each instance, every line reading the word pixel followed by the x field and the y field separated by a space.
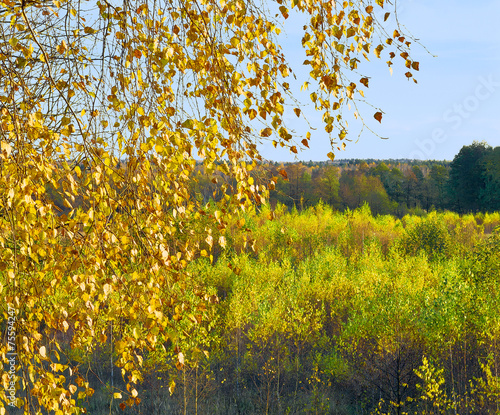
pixel 474 178
pixel 110 104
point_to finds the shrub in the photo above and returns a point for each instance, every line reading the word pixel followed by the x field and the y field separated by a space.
pixel 429 236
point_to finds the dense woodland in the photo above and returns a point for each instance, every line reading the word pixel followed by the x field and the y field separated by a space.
pixel 469 183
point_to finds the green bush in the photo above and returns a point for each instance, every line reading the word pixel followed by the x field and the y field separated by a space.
pixel 429 236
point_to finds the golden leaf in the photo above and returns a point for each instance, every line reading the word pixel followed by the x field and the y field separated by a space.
pixel 4 146
pixel 266 132
pixel 222 241
pixel 62 48
pixel 171 387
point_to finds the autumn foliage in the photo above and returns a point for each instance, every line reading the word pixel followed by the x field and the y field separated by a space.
pixel 109 105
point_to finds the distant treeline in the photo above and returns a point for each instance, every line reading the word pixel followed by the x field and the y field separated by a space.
pixel 470 183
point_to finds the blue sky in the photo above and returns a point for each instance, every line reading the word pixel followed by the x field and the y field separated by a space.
pixel 456 100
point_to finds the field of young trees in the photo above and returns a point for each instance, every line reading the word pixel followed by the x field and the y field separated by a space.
pixel 323 312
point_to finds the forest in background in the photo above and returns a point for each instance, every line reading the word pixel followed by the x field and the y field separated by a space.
pixel 469 183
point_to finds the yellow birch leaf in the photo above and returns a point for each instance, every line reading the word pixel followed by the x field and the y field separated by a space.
pixel 6 147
